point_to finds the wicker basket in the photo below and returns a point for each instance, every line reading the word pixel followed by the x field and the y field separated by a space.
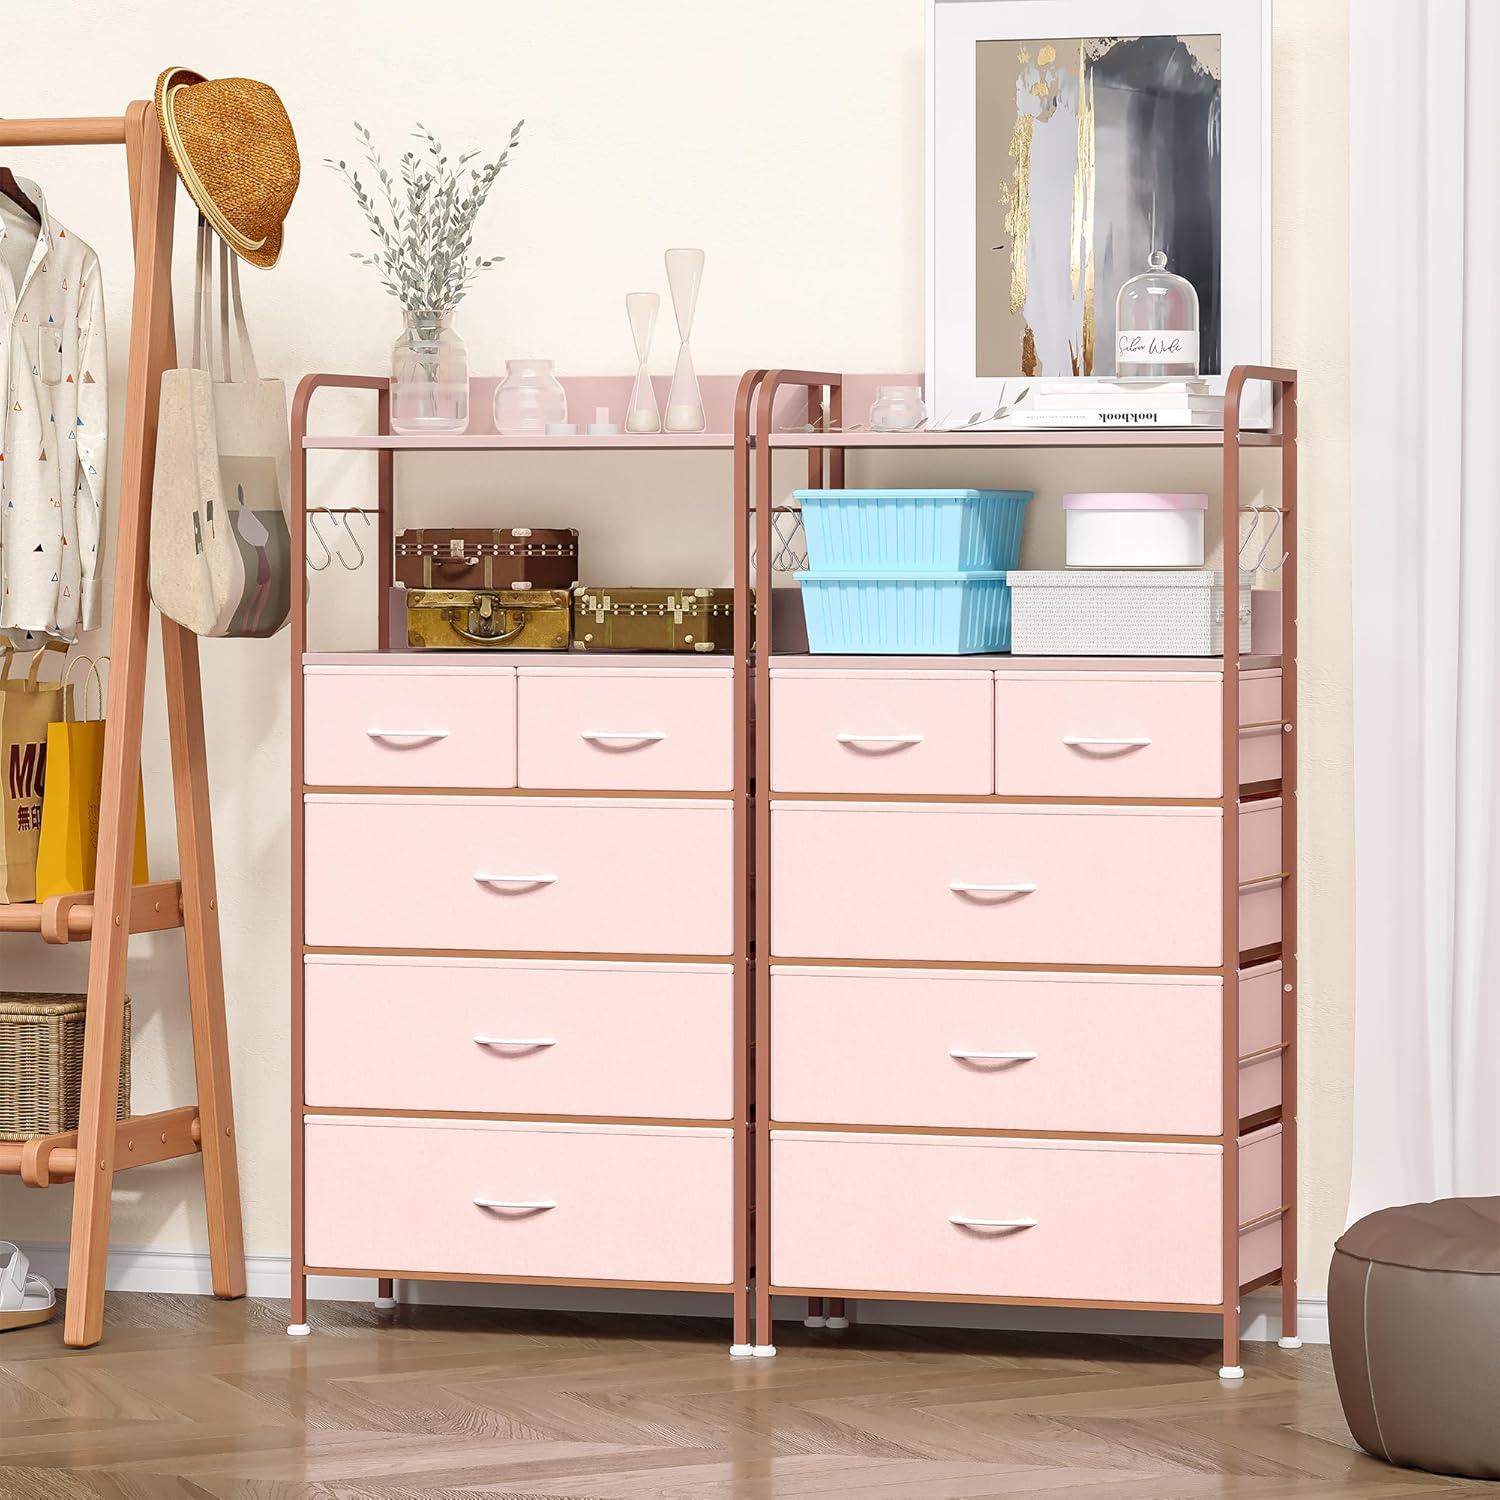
pixel 41 1064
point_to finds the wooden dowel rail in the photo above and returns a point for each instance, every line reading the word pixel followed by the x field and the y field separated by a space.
pixel 81 130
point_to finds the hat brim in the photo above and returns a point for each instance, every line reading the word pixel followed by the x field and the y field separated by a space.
pixel 264 255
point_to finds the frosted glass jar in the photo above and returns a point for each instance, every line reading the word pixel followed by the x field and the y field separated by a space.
pixel 529 398
pixel 897 408
pixel 1135 530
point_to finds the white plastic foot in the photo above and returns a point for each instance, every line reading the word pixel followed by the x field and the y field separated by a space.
pixel 385 1304
pixel 1291 1343
pixel 741 1351
pixel 763 1351
pixel 298 1330
pixel 815 1322
pixel 1231 1372
pixel 837 1325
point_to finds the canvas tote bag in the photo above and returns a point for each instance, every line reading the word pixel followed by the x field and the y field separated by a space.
pixel 220 545
pixel 68 851
pixel 27 706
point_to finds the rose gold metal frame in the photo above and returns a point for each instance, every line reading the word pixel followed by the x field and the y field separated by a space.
pixel 764 392
pixel 385 446
pixel 115 909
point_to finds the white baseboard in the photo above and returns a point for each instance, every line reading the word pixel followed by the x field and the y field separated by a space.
pixel 185 1272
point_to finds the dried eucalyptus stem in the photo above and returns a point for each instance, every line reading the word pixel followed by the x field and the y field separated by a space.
pixel 424 229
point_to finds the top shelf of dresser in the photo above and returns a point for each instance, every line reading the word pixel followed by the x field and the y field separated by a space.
pixel 1028 437
pixel 481 442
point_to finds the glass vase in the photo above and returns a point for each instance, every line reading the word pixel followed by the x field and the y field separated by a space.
pixel 429 376
pixel 897 408
pixel 529 398
pixel 1156 324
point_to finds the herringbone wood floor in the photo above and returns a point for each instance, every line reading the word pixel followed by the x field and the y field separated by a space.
pixel 190 1397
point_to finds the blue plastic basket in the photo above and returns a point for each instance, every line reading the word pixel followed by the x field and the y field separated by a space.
pixel 855 612
pixel 913 531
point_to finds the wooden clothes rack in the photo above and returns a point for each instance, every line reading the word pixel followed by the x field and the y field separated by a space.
pixel 102 1145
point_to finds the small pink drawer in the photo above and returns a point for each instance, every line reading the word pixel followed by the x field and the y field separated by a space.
pixel 962 1049
pixel 520 1036
pixel 587 1202
pixel 527 874
pixel 631 728
pixel 1260 1039
pixel 1097 1221
pixel 410 726
pixel 1127 734
pixel 887 731
pixel 1040 884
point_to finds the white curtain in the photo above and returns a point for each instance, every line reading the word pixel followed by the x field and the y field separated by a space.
pixel 1424 229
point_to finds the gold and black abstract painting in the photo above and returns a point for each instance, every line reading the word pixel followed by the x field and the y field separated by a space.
pixel 1090 153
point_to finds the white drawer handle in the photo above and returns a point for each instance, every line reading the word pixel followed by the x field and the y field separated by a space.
pixel 407 734
pixel 979 888
pixel 517 1205
pixel 965 1222
pixel 963 1054
pixel 878 739
pixel 1121 742
pixel 515 1041
pixel 641 737
pixel 515 879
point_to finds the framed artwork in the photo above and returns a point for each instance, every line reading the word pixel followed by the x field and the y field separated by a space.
pixel 1068 140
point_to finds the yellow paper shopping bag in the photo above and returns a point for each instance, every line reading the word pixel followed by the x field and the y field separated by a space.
pixel 70 809
pixel 27 707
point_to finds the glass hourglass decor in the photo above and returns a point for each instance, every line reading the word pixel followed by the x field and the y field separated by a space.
pixel 1156 324
pixel 642 414
pixel 684 399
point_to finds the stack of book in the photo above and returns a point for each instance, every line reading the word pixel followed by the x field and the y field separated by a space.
pixel 1138 402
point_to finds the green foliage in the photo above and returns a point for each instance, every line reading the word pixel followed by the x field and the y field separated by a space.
pixel 424 228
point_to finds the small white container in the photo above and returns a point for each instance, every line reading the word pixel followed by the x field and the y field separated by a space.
pixel 1135 530
pixel 1060 613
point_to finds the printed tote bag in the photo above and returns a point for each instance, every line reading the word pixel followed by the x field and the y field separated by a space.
pixel 220 547
pixel 27 707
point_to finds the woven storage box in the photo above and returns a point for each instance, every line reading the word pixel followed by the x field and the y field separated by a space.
pixel 912 531
pixel 41 1064
pixel 1122 612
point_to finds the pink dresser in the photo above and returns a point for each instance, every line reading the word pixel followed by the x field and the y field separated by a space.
pixel 521 1018
pixel 1025 1019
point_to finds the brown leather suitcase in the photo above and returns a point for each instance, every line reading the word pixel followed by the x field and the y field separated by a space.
pixel 473 557
pixel 484 620
pixel 653 619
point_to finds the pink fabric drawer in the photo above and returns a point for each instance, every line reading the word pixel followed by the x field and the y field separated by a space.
pixel 1260 868
pixel 1261 1195
pixel 1260 1032
pixel 571 875
pixel 630 1203
pixel 891 731
pixel 410 726
pixel 635 729
pixel 564 1038
pixel 1126 734
pixel 1114 1221
pixel 1116 1053
pixel 1113 885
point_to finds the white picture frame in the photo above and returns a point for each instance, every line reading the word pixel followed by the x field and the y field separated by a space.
pixel 955 389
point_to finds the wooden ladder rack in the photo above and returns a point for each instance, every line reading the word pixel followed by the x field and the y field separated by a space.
pixel 114 909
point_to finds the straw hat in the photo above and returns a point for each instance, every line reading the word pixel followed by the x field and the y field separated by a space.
pixel 232 144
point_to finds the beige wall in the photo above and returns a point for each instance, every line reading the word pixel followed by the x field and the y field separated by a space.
pixel 787 141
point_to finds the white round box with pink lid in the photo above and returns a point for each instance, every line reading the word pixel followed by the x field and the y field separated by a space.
pixel 1124 529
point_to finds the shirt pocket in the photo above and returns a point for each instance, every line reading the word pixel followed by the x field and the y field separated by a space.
pixel 49 354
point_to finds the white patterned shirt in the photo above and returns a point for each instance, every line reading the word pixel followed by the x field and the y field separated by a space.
pixel 53 425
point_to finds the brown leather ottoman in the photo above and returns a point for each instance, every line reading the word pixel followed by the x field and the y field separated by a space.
pixel 1414 1318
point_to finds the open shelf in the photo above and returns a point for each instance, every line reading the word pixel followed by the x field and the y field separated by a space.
pixel 484 442
pixel 1028 437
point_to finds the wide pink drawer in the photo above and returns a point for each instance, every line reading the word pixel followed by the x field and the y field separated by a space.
pixel 410 726
pixel 994 884
pixel 1097 1221
pixel 520 1036
pixel 534 874
pixel 885 731
pixel 636 729
pixel 1076 1052
pixel 1128 734
pixel 491 1198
